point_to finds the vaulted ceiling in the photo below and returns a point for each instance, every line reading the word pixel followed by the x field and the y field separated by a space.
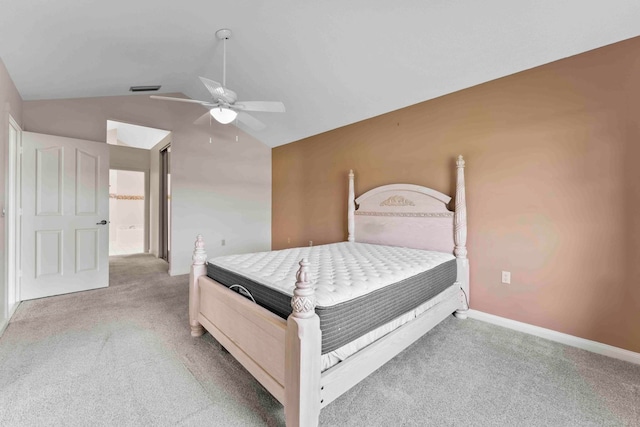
pixel 331 62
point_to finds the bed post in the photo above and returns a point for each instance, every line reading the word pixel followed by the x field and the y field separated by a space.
pixel 351 209
pixel 197 269
pixel 460 239
pixel 302 355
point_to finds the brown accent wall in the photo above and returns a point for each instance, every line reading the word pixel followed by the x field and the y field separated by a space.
pixel 553 187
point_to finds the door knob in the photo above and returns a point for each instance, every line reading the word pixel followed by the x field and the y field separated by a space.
pixel 103 222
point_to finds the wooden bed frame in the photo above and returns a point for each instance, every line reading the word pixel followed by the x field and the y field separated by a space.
pixel 284 355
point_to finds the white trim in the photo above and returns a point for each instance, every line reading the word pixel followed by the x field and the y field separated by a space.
pixel 5 322
pixel 3 325
pixel 584 344
pixel 11 206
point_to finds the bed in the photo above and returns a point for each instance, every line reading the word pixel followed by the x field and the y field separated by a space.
pixel 308 353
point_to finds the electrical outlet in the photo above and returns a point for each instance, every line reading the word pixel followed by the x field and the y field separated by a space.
pixel 288 239
pixel 310 242
pixel 223 242
pixel 506 277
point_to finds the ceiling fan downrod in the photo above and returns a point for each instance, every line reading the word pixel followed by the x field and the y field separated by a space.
pixel 224 35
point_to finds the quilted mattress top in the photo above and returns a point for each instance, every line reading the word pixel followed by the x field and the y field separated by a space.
pixel 339 271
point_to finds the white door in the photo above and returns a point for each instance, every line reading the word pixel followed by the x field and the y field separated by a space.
pixel 65 201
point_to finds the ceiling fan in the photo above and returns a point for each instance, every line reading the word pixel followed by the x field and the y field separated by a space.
pixel 225 107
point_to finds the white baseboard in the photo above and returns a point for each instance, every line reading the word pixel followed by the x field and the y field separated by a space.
pixel 5 322
pixel 592 346
pixel 3 325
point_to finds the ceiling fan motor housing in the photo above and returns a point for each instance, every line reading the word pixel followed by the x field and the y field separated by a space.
pixel 223 34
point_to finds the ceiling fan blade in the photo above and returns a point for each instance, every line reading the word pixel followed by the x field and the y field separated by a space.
pixel 250 121
pixel 190 101
pixel 266 106
pixel 215 88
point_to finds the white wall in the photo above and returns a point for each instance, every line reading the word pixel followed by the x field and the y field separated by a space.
pixel 128 158
pixel 221 190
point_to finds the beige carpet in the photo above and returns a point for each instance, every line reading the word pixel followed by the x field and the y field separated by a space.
pixel 123 356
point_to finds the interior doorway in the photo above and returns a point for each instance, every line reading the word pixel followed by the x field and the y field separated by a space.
pixel 137 148
pixel 126 212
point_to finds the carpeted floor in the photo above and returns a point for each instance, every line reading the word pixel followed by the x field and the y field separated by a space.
pixel 123 356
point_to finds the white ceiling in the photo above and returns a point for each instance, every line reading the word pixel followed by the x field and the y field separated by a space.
pixel 332 62
pixel 136 136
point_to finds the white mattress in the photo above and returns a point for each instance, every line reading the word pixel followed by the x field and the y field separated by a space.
pixel 358 268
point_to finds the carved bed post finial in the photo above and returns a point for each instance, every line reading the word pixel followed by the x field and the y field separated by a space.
pixel 460 238
pixel 198 269
pixel 304 298
pixel 199 254
pixel 351 209
pixel 303 345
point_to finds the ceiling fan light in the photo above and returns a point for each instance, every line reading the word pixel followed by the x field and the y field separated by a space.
pixel 223 115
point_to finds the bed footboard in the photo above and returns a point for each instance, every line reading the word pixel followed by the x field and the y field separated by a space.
pixel 284 356
pixel 253 335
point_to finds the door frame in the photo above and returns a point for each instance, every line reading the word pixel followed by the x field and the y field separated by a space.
pixel 146 247
pixel 12 215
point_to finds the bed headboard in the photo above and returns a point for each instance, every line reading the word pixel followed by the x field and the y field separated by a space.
pixel 412 216
pixel 409 215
